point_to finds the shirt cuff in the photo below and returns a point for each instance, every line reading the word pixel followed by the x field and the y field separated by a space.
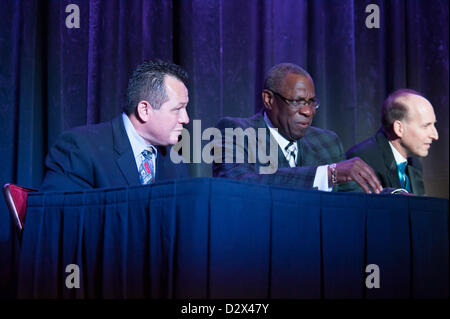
pixel 321 179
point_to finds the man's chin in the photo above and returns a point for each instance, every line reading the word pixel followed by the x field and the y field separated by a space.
pixel 300 133
pixel 173 141
pixel 418 154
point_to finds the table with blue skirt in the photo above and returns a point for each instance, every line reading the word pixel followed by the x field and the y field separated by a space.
pixel 218 238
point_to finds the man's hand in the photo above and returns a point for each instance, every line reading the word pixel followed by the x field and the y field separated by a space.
pixel 355 169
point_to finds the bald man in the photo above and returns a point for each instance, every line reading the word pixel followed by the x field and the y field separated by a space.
pixel 406 133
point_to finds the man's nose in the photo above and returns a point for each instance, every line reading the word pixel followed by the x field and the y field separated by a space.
pixel 306 110
pixel 434 134
pixel 184 119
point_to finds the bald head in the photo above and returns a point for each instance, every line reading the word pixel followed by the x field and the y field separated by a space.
pixel 408 121
pixel 416 105
pixel 395 109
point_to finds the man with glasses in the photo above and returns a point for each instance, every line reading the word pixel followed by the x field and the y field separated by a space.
pixel 308 157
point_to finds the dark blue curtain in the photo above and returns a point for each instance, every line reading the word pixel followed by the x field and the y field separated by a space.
pixel 53 78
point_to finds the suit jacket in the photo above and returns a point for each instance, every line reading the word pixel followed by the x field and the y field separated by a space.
pixel 376 152
pixel 317 147
pixel 100 156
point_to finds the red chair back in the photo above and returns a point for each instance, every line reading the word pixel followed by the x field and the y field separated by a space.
pixel 16 198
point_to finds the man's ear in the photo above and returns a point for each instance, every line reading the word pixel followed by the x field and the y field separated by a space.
pixel 398 128
pixel 143 110
pixel 267 97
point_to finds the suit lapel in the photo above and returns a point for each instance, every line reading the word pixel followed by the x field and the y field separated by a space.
pixel 125 159
pixel 415 177
pixel 161 163
pixel 307 155
pixel 258 122
pixel 389 160
pixel 392 171
pixel 282 161
pixel 299 158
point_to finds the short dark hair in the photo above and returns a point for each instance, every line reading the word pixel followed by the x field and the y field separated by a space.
pixel 278 72
pixel 147 83
pixel 394 110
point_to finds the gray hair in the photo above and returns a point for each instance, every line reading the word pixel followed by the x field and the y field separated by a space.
pixel 277 74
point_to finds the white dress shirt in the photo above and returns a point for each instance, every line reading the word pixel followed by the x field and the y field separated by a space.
pixel 321 177
pixel 138 144
pixel 397 156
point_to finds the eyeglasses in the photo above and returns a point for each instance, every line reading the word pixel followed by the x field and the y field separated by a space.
pixel 313 104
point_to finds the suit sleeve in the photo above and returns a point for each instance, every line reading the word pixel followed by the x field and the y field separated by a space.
pixel 68 167
pixel 300 177
pixel 351 186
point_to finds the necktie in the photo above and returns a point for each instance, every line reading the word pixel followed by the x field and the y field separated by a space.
pixel 290 150
pixel 146 169
pixel 404 180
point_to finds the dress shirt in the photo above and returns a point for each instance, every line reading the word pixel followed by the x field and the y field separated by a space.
pixel 138 144
pixel 398 157
pixel 321 177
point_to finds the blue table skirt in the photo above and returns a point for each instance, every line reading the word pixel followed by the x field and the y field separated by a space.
pixel 217 238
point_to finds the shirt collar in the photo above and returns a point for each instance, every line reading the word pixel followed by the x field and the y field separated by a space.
pixel 397 156
pixel 138 144
pixel 281 140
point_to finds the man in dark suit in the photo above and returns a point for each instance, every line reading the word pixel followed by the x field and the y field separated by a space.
pixel 407 131
pixel 305 156
pixel 132 149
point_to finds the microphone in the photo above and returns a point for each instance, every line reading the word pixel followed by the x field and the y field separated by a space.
pixel 392 190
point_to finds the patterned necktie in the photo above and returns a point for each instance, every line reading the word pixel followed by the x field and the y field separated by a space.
pixel 290 156
pixel 147 169
pixel 404 179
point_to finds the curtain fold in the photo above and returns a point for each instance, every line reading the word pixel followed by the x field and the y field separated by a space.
pixel 53 78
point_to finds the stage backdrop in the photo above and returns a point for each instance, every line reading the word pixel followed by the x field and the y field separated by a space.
pixel 53 77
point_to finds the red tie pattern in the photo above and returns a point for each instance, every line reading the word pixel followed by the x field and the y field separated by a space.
pixel 147 169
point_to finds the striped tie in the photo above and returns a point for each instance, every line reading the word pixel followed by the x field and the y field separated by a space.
pixel 290 150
